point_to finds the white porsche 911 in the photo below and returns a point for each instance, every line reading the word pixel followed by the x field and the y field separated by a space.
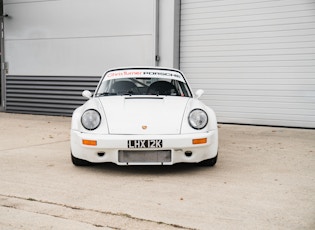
pixel 144 116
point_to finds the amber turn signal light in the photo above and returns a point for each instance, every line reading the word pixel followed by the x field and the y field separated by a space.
pixel 199 141
pixel 89 142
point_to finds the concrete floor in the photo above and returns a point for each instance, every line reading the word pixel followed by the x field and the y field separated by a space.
pixel 264 179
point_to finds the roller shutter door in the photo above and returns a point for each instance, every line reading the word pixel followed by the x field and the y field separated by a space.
pixel 254 58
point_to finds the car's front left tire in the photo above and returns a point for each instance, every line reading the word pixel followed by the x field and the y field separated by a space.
pixel 79 162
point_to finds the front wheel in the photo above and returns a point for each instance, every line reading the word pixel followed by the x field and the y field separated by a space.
pixel 209 162
pixel 79 162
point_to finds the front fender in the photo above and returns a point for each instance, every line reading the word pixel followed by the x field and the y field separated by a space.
pixel 95 104
pixel 196 104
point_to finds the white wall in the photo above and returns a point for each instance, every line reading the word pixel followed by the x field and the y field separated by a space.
pixel 78 37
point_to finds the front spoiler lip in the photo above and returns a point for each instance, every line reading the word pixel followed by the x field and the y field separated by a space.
pixel 111 144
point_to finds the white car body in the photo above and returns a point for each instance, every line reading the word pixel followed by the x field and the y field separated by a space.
pixel 140 128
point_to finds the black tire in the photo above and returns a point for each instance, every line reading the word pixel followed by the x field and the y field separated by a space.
pixel 79 162
pixel 209 162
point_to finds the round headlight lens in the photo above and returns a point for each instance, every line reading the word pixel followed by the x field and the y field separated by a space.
pixel 91 119
pixel 198 119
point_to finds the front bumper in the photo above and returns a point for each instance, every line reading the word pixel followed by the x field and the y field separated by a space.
pixel 181 147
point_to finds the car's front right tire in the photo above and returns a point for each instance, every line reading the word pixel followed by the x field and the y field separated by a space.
pixel 209 162
pixel 79 162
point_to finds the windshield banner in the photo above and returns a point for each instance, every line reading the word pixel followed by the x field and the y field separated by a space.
pixel 144 73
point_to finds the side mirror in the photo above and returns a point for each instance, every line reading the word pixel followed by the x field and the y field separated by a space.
pixel 87 94
pixel 199 93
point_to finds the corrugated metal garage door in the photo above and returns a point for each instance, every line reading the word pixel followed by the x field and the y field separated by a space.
pixel 254 58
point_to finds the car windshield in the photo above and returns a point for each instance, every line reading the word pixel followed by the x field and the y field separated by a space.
pixel 143 86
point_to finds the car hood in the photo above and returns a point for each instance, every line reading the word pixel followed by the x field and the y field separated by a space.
pixel 144 115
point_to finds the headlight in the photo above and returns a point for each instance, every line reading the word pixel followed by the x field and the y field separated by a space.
pixel 198 119
pixel 91 119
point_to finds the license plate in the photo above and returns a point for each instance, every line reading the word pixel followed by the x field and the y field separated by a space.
pixel 144 144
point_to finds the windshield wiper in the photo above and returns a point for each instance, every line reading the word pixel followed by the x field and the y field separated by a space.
pixel 106 94
pixel 130 93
